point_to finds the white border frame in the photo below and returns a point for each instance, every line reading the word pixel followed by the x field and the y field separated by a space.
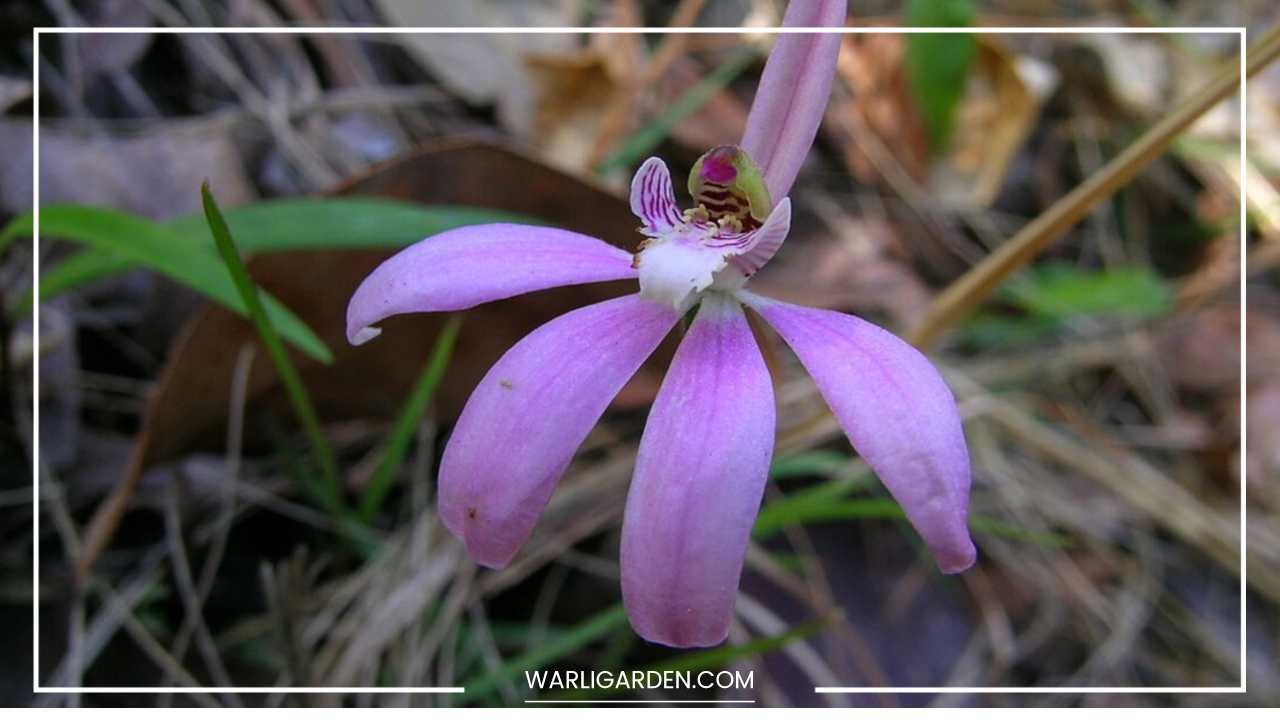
pixel 1240 32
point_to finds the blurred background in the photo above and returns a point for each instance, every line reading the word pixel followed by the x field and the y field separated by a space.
pixel 182 540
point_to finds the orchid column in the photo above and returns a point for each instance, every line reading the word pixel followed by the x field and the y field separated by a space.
pixel 705 453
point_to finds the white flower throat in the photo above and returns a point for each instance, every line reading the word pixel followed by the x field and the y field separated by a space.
pixel 707 248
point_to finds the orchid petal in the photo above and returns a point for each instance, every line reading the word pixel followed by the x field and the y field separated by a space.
pixel 793 93
pixel 529 414
pixel 761 244
pixel 653 199
pixel 700 475
pixel 898 413
pixel 467 266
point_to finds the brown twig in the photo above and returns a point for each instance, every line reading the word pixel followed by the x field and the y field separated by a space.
pixel 979 282
pixel 186 587
pixel 209 571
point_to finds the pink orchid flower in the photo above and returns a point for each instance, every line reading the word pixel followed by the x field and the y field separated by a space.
pixel 705 453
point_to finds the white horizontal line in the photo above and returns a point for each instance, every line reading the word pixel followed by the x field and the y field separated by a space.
pixel 114 690
pixel 1028 690
pixel 329 30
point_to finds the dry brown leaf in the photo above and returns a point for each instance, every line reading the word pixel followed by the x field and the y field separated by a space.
pixel 590 99
pixel 996 114
pixel 574 92
pixel 484 68
pixel 880 104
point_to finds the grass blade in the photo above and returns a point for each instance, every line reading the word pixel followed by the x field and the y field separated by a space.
pixel 844 477
pixel 938 64
pixel 823 509
pixel 824 463
pixel 585 632
pixel 150 245
pixel 329 491
pixel 410 415
pixel 800 506
pixel 278 225
pixel 646 139
pixel 81 269
pixel 725 654
pixel 1060 291
pixel 342 223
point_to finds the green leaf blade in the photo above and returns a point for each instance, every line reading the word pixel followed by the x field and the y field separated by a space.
pixel 938 64
pixel 643 142
pixel 571 640
pixel 410 415
pixel 128 238
pixel 329 490
pixel 1058 291
pixel 353 223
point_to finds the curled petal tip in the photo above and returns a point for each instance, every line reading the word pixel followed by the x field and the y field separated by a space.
pixel 467 266
pixel 484 546
pixel 491 563
pixel 489 555
pixel 955 560
pixel 490 543
pixel 483 557
pixel 362 335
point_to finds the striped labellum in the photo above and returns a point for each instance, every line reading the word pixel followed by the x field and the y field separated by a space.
pixel 729 189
